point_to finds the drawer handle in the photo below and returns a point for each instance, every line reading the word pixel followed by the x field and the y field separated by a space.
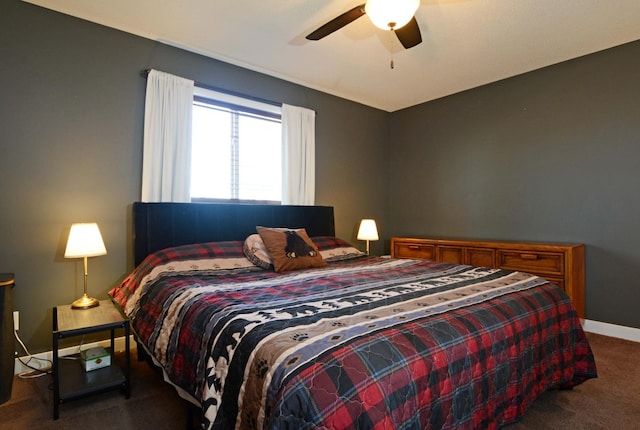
pixel 529 256
pixel 414 246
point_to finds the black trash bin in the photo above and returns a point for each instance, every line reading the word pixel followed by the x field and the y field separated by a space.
pixel 7 344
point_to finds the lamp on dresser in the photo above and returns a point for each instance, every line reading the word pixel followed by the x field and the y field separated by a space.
pixel 368 231
pixel 84 241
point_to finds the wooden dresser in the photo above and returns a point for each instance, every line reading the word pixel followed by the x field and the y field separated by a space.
pixel 560 263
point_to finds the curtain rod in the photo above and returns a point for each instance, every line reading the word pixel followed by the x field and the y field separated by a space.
pixel 145 73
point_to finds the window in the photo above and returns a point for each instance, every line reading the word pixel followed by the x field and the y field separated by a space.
pixel 236 148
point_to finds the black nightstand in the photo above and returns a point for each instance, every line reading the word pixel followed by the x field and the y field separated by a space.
pixel 70 381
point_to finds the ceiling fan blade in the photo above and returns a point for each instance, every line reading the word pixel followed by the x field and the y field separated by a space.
pixel 409 35
pixel 337 23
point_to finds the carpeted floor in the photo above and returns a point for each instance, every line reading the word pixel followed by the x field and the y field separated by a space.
pixel 610 402
pixel 153 405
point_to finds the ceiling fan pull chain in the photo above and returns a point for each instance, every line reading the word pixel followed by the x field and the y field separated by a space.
pixel 391 65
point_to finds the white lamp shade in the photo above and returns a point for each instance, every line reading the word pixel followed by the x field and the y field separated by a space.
pixel 368 230
pixel 391 14
pixel 84 241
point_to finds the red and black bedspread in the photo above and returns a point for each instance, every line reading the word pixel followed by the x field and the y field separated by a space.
pixel 367 343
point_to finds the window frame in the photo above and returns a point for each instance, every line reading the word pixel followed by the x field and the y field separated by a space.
pixel 252 106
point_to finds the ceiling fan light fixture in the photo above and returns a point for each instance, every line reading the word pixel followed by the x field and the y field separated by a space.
pixel 391 14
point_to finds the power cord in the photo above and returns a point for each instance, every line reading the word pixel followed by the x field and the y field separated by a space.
pixel 35 372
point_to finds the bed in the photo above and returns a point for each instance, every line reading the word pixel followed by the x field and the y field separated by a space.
pixel 346 340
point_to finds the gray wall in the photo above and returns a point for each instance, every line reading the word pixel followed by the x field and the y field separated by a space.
pixel 71 119
pixel 552 155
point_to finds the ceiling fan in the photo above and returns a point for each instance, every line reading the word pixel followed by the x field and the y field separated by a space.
pixel 394 15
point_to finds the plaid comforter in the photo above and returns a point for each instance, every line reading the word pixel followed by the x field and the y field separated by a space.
pixel 367 343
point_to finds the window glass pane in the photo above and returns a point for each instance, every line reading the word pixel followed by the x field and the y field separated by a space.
pixel 260 159
pixel 211 153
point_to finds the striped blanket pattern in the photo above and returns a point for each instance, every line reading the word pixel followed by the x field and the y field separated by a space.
pixel 367 343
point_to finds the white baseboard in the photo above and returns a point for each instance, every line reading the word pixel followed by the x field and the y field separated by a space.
pixel 597 327
pixel 39 359
pixel 612 330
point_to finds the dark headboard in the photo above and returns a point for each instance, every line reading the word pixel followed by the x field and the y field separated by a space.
pixel 162 225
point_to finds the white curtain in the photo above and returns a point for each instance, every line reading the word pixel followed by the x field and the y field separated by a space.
pixel 166 165
pixel 298 155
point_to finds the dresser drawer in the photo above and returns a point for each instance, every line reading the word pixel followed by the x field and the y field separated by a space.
pixel 557 281
pixel 532 261
pixel 414 250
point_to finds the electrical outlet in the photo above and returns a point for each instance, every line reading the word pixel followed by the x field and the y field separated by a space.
pixel 16 320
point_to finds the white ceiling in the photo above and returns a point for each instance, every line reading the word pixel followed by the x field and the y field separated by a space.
pixel 466 43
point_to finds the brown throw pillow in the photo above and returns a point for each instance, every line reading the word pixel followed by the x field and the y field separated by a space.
pixel 290 249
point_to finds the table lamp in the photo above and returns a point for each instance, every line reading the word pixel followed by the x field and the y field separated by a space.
pixel 84 241
pixel 368 231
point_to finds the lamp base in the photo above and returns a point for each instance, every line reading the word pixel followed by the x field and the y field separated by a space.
pixel 85 302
